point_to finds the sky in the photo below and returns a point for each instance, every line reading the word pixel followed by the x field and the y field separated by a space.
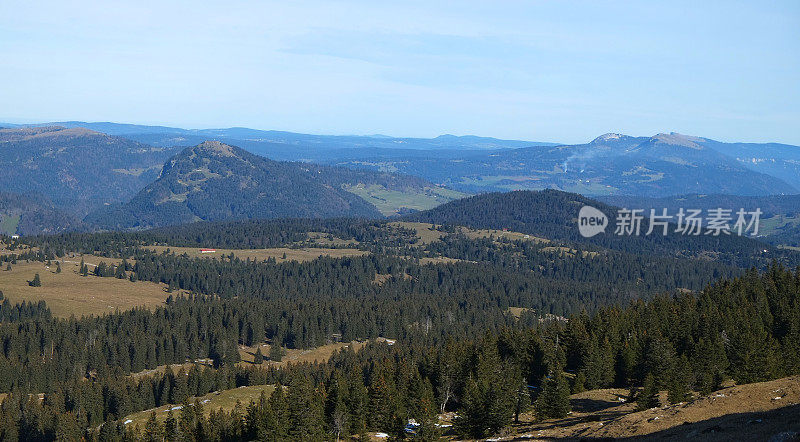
pixel 555 70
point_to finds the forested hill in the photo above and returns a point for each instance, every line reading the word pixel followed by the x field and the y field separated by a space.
pixel 770 205
pixel 32 214
pixel 553 214
pixel 214 181
pixel 78 169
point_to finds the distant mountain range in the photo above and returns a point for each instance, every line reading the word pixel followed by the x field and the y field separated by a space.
pixel 612 164
pixel 78 168
pixel 290 146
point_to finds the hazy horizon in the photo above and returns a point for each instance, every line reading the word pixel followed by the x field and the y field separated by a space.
pixel 539 71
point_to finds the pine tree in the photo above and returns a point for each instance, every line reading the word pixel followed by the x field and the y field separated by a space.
pixel 258 358
pixel 37 282
pixel 58 267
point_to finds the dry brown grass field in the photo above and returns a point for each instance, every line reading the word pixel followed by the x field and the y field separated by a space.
pixel 296 356
pixel 749 412
pixel 302 254
pixel 426 234
pixel 68 293
pixel 227 399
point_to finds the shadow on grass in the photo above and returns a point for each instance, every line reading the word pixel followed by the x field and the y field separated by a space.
pixel 779 425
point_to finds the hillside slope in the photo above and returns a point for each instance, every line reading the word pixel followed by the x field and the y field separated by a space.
pixel 757 411
pixel 27 215
pixel 214 181
pixel 611 164
pixel 78 169
pixel 553 214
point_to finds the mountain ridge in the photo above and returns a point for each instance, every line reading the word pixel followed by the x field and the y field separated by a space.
pixel 215 181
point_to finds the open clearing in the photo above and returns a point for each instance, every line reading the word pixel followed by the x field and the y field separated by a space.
pixel 9 224
pixel 744 412
pixel 67 293
pixel 295 356
pixel 302 254
pixel 774 225
pixel 426 234
pixel 392 202
pixel 225 400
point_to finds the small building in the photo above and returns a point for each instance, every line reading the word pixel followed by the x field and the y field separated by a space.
pixel 208 251
pixel 14 236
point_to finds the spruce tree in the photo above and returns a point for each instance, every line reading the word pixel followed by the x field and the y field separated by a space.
pixel 648 397
pixel 277 427
pixel 276 351
pixel 306 420
pixel 579 384
pixel 489 396
pixel 336 413
pixel 357 402
pixel 678 383
pixel 170 427
pixel 37 282
pixel 153 430
pixel 67 428
pixel 381 411
pixel 258 358
pixel 422 407
pixel 553 401
pixel 119 272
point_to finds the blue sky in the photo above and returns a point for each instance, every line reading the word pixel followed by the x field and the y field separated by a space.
pixel 537 70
